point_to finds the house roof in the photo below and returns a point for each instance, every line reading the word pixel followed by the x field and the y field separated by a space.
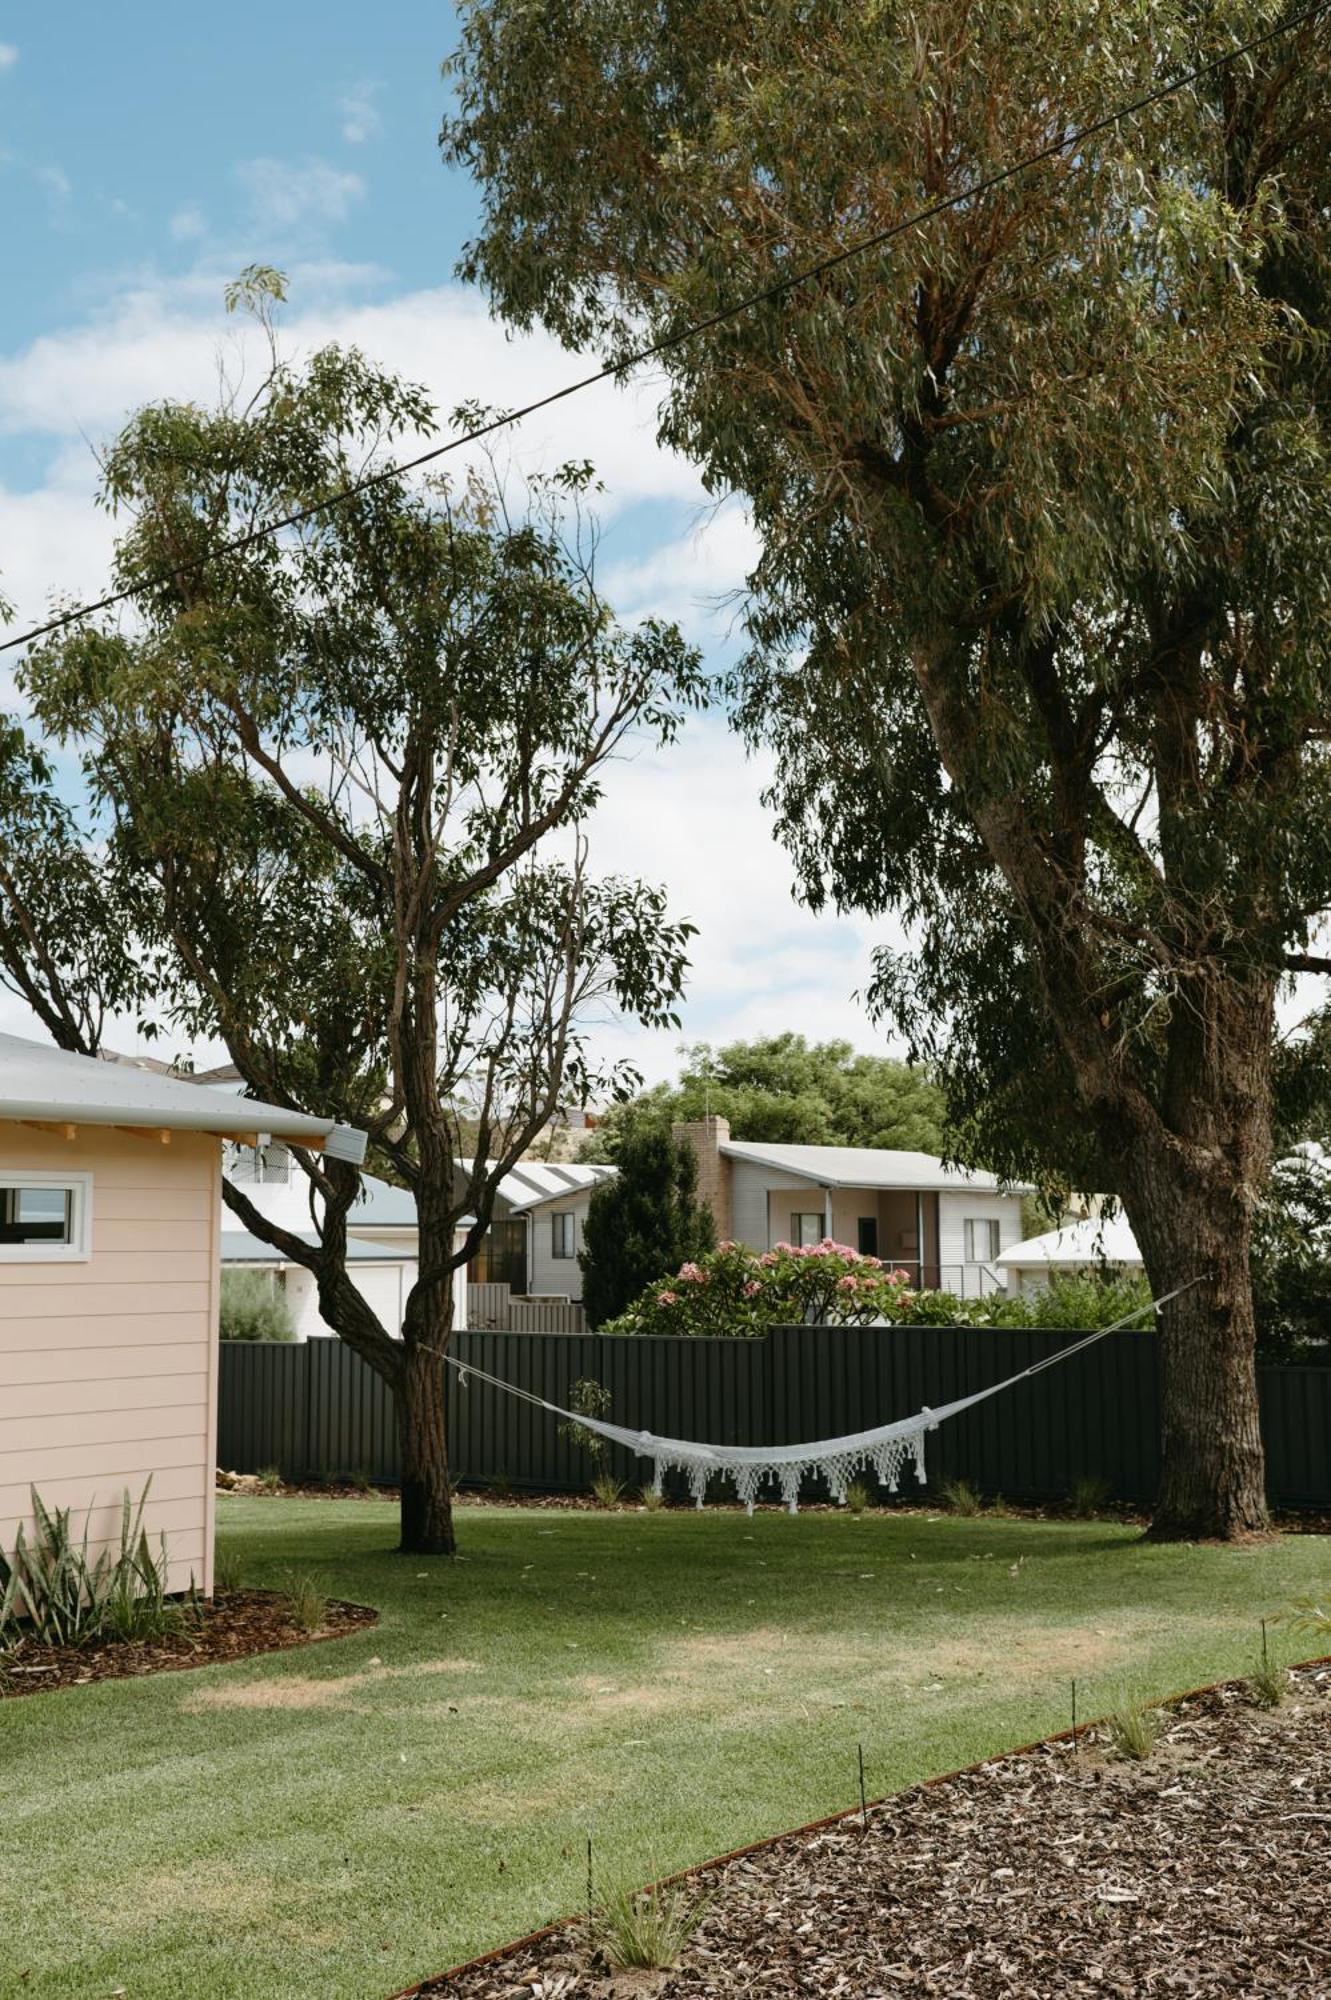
pixel 1075 1245
pixel 46 1084
pixel 868 1167
pixel 239 1247
pixel 527 1186
pixel 532 1182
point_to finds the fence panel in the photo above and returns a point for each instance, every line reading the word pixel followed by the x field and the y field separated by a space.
pixel 316 1410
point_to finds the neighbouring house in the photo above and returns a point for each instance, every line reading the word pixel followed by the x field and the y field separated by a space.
pixel 110 1207
pixel 530 1249
pixel 945 1226
pixel 1092 1244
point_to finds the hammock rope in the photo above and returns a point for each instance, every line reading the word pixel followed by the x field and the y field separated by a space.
pixel 886 1449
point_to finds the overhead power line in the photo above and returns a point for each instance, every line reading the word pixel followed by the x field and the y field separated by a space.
pixel 763 296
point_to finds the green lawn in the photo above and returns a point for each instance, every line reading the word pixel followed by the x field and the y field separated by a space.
pixel 311 1826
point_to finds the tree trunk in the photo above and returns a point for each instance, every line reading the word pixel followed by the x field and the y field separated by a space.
pixel 1213 1468
pixel 427 1504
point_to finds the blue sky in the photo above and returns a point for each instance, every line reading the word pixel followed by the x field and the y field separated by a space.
pixel 148 153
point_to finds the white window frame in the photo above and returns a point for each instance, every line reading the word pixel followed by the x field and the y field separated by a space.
pixel 993 1228
pixel 569 1235
pixel 79 1188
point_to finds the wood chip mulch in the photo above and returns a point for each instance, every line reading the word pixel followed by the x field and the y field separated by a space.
pixel 234 1625
pixel 1201 1871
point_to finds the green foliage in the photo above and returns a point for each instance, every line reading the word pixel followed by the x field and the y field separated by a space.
pixel 253 1307
pixel 269 1478
pixel 786 1090
pixel 1291 1257
pixel 589 1398
pixel 306 1604
pixel 1089 1496
pixel 1041 619
pixel 339 780
pixel 647 1929
pixel 645 1220
pixel 608 1490
pixel 732 1291
pixel 52 1587
pixel 651 1500
pixel 858 1497
pixel 960 1497
pixel 1268 1684
pixel 1134 1731
pixel 229 1572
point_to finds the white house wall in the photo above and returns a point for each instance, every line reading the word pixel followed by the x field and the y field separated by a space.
pixel 557 1277
pixel 955 1210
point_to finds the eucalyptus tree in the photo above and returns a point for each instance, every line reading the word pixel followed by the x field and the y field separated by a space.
pixel 340 777
pixel 1040 623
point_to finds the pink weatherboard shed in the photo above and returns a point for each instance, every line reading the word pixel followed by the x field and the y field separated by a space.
pixel 110 1205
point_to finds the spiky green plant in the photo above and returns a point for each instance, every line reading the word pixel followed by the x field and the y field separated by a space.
pixel 1134 1731
pixel 1089 1496
pixel 306 1603
pixel 228 1569
pixel 53 1589
pixel 1267 1684
pixel 652 1499
pixel 858 1497
pixel 647 1929
pixel 960 1497
pixel 269 1478
pixel 609 1491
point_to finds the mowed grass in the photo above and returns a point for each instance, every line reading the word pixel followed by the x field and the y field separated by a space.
pixel 316 1826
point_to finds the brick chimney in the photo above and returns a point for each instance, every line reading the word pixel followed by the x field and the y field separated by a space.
pixel 707 1136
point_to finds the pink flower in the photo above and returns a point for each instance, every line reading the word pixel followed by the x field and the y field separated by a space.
pixel 900 1278
pixel 752 1289
pixel 782 1246
pixel 667 1298
pixel 693 1273
pixel 847 1284
pixel 769 1257
pixel 727 1245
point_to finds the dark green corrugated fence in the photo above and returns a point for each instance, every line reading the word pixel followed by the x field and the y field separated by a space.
pixel 317 1411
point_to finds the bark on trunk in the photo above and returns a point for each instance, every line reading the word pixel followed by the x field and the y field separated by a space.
pixel 1213 1467
pixel 427 1503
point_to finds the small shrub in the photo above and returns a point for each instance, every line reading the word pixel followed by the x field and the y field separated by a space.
pixel 228 1569
pixel 269 1478
pixel 502 1486
pixel 1310 1614
pixel 306 1602
pixel 960 1497
pixel 589 1398
pixel 858 1497
pixel 647 1929
pixel 53 1589
pixel 1133 1731
pixel 652 1500
pixel 1267 1684
pixel 1089 1496
pixel 254 1308
pixel 359 1481
pixel 609 1491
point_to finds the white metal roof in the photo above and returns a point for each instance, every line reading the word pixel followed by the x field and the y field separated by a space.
pixel 1075 1245
pixel 532 1182
pixel 868 1167
pixel 49 1085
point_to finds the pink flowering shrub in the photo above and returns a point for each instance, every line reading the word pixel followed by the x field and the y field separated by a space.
pixel 734 1290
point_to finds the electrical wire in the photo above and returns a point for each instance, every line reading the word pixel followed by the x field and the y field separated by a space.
pixel 617 370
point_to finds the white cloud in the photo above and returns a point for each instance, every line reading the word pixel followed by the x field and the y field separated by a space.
pixel 188 223
pixel 8 55
pixel 696 580
pixel 359 111
pixel 286 196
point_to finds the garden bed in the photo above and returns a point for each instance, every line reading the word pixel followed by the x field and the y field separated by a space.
pixel 234 1625
pixel 1061 1870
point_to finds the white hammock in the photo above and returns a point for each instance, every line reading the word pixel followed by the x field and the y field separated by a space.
pixel 886 1449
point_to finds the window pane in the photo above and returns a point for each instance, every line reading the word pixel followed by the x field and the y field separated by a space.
pixel 36 1215
pixel 807 1227
pixel 867 1230
pixel 981 1239
pixel 562 1234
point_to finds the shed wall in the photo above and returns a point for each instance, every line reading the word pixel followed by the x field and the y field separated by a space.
pixel 108 1366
